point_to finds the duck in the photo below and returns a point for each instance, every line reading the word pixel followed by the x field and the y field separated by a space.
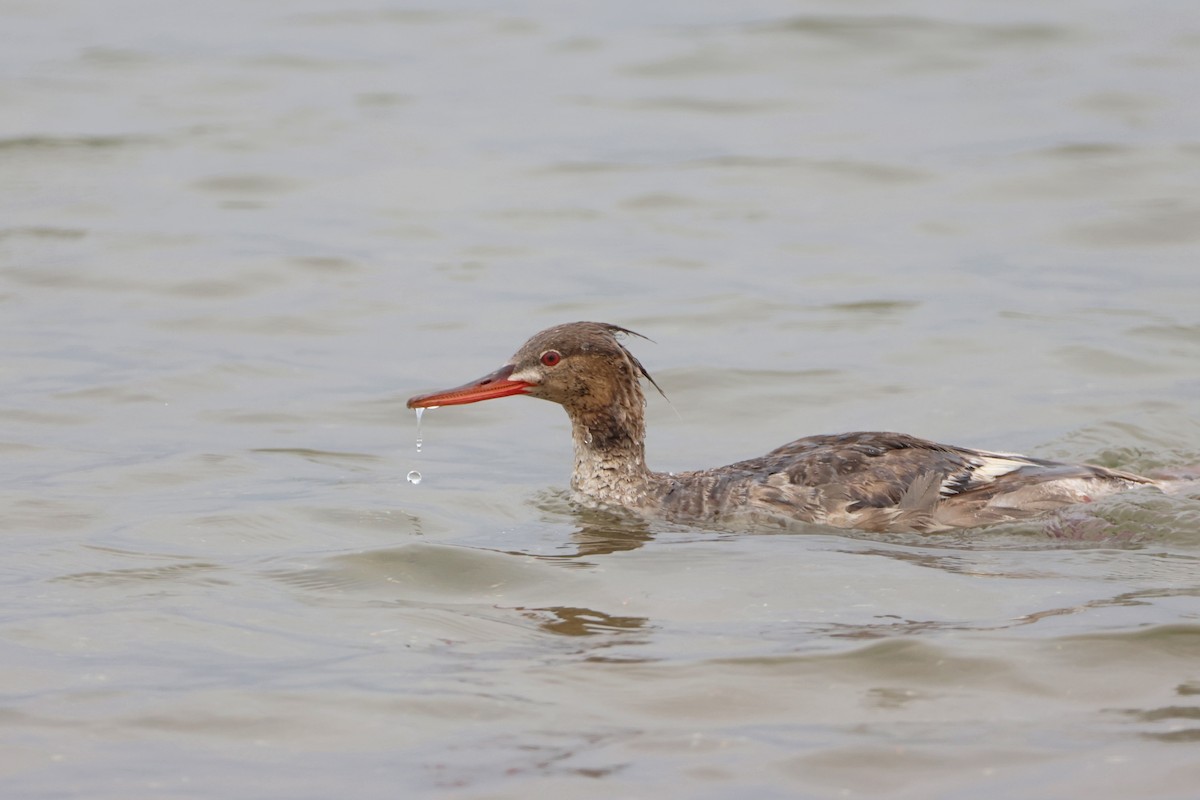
pixel 867 481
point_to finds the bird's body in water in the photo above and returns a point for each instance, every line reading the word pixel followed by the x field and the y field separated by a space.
pixel 868 481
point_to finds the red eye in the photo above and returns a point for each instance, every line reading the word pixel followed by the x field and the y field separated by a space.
pixel 551 357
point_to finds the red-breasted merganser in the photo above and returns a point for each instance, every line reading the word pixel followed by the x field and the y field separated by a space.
pixel 869 481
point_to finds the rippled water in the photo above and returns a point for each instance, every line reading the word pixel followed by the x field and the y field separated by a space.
pixel 235 237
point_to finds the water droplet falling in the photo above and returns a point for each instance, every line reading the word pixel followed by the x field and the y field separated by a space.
pixel 414 477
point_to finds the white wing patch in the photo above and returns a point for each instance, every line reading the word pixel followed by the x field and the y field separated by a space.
pixel 982 469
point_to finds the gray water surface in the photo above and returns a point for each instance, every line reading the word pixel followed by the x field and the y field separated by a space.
pixel 234 237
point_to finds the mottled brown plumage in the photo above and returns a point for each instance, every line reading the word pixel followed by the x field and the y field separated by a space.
pixel 869 481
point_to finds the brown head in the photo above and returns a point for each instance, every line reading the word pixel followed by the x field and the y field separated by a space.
pixel 580 365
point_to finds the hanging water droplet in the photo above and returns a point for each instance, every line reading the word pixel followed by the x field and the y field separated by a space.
pixel 414 477
pixel 419 411
pixel 587 438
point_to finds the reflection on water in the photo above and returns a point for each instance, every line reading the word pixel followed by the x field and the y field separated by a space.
pixel 601 540
pixel 581 621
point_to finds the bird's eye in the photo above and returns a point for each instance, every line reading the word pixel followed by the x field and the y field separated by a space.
pixel 551 357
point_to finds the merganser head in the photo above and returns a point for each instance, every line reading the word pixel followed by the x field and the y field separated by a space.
pixel 581 365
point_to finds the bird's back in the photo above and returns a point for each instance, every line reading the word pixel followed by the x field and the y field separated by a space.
pixel 879 481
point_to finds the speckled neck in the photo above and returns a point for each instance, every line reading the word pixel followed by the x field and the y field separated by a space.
pixel 610 451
